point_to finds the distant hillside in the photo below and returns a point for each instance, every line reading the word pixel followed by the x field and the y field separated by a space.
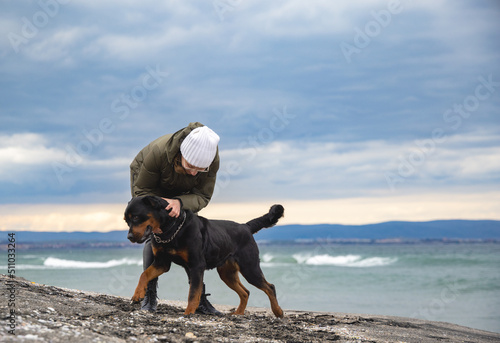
pixel 62 237
pixel 440 229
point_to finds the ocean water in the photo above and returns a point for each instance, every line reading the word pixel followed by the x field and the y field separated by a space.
pixel 456 283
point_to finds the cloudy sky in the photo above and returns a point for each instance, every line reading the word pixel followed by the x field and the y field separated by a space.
pixel 344 111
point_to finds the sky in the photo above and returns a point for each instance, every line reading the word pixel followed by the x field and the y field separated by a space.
pixel 348 112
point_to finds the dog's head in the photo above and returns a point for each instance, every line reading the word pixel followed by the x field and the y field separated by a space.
pixel 144 215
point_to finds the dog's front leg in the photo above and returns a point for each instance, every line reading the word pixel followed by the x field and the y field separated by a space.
pixel 149 274
pixel 195 290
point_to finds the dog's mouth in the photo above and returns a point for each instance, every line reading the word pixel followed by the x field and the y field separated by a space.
pixel 134 239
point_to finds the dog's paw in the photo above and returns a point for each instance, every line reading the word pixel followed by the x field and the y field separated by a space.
pixel 278 312
pixel 135 300
pixel 137 297
pixel 189 313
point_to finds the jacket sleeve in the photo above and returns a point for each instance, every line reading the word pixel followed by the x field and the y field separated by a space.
pixel 148 178
pixel 200 196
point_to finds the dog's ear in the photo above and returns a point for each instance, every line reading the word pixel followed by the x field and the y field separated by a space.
pixel 155 202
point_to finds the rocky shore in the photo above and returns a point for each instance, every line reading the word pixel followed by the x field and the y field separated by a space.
pixel 50 314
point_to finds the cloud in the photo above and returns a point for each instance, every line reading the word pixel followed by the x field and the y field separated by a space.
pixel 31 168
pixel 24 151
pixel 232 68
pixel 295 169
pixel 46 217
pixel 367 209
pixel 33 149
pixel 466 159
pixel 66 46
pixel 130 32
pixel 355 211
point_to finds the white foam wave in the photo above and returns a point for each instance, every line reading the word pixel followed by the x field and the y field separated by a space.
pixel 53 262
pixel 343 260
pixel 267 257
pixel 267 260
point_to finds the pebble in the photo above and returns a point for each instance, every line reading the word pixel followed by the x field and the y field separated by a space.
pixel 190 335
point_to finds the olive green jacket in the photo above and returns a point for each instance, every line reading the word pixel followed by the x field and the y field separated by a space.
pixel 152 173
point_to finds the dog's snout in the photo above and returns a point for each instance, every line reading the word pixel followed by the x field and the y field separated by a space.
pixel 130 236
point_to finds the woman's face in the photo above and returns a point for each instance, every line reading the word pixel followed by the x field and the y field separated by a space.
pixel 191 170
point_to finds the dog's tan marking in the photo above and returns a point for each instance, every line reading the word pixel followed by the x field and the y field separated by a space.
pixel 156 249
pixel 228 273
pixel 139 230
pixel 149 274
pixel 270 290
pixel 183 254
pixel 194 298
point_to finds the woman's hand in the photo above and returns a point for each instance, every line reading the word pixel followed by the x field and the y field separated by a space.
pixel 175 206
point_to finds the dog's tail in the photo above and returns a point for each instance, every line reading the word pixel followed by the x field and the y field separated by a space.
pixel 267 220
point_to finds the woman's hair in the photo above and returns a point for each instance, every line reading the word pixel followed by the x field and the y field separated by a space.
pixel 178 164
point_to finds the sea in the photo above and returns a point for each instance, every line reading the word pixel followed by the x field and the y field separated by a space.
pixel 450 282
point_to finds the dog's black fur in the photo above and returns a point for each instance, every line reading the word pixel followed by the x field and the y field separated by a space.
pixel 198 244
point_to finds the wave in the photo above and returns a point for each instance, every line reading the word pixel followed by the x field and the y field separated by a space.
pixel 266 261
pixel 270 260
pixel 266 258
pixel 343 260
pixel 57 263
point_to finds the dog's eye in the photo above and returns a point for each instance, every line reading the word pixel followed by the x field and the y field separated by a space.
pixel 132 218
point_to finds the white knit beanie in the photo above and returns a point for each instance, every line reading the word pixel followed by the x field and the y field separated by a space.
pixel 200 146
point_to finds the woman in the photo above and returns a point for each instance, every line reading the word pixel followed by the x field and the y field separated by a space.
pixel 181 168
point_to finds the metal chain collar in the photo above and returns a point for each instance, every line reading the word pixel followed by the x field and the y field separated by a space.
pixel 161 241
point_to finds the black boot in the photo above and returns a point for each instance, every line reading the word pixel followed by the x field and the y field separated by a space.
pixel 205 306
pixel 150 301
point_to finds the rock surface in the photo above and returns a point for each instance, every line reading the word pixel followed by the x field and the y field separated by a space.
pixel 52 314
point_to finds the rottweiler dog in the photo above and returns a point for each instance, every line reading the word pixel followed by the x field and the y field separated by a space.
pixel 198 244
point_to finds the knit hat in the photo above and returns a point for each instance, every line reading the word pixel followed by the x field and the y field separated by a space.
pixel 200 146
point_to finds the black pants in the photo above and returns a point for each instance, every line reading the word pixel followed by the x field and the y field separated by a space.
pixel 147 254
pixel 148 257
